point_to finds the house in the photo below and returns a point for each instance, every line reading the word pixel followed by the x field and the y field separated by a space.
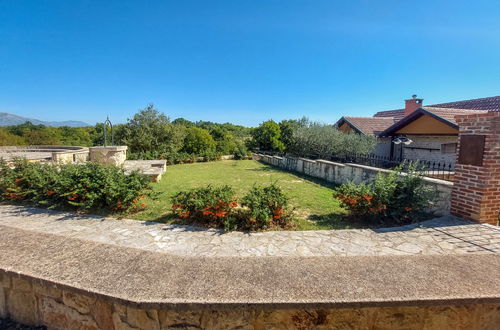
pixel 418 131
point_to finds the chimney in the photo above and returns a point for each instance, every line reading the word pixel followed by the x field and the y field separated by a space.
pixel 412 104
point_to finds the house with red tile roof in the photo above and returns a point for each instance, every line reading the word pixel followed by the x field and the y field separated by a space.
pixel 430 132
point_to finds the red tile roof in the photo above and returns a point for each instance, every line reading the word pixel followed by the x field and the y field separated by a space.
pixel 396 114
pixel 450 113
pixel 485 103
pixel 368 125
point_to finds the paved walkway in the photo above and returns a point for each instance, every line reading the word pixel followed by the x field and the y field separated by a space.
pixel 446 235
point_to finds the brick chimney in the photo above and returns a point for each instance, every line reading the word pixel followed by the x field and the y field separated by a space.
pixel 412 104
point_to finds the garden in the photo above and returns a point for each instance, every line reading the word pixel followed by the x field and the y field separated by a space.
pixel 232 195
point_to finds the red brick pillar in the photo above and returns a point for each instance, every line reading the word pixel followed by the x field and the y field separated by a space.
pixel 476 190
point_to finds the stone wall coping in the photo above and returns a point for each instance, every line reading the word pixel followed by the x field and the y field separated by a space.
pixel 145 279
pixel 330 162
pixel 307 160
pixel 110 148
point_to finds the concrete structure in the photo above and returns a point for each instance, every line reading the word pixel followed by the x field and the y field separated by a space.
pixel 152 168
pixel 110 155
pixel 59 154
pixel 69 281
pixel 342 173
pixel 476 192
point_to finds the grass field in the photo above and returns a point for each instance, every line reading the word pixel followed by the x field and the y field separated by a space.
pixel 315 206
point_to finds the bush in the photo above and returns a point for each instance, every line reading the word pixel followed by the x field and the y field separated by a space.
pixel 267 207
pixel 79 186
pixel 396 198
pixel 210 206
pixel 263 207
pixel 241 151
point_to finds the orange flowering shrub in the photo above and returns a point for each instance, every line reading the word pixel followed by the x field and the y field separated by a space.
pixel 263 207
pixel 211 206
pixel 395 198
pixel 82 186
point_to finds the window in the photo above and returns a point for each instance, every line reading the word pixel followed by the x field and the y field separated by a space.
pixel 448 148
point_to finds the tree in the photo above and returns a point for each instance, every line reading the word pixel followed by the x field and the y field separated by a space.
pixel 288 129
pixel 267 136
pixel 198 141
pixel 325 140
pixel 150 131
pixel 8 139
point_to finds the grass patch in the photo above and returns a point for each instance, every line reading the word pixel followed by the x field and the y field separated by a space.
pixel 315 206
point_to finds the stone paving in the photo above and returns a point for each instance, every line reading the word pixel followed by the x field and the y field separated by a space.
pixel 445 235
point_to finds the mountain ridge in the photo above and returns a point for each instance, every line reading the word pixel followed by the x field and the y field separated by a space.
pixel 9 119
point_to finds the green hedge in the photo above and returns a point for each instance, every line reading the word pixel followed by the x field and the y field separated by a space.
pixel 78 186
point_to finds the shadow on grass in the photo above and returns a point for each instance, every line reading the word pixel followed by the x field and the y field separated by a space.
pixel 335 221
pixel 270 168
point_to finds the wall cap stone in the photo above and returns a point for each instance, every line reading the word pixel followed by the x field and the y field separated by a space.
pixel 145 279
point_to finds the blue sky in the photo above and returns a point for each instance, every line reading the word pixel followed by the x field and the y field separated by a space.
pixel 243 61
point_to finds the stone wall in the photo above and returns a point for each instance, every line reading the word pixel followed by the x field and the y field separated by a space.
pixel 35 303
pixel 112 155
pixel 340 173
pixel 434 151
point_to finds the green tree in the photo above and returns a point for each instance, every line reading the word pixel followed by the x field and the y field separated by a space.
pixel 8 139
pixel 267 137
pixel 325 140
pixel 288 128
pixel 198 141
pixel 151 132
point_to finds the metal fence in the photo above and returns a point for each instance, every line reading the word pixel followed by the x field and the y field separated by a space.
pixel 438 170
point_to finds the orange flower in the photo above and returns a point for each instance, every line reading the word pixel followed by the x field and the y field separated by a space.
pixel 184 215
pixel 220 214
pixel 144 205
pixel 233 204
pixel 17 180
pixel 408 209
pixel 368 197
pixel 50 192
pixel 207 212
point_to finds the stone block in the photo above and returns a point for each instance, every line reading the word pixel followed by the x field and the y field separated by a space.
pixel 3 306
pixel 143 319
pixel 79 302
pixel 56 315
pixel 21 285
pixel 102 313
pixel 47 290
pixel 4 281
pixel 22 307
pixel 170 319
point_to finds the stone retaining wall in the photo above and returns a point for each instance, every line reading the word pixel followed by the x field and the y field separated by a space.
pixel 340 173
pixel 35 303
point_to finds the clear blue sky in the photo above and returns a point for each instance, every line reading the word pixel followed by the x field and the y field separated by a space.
pixel 243 61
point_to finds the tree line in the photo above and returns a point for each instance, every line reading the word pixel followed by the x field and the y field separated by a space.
pixel 150 134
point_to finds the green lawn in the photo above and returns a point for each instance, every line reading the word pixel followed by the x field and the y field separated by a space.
pixel 315 206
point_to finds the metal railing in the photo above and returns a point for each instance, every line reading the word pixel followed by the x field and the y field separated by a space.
pixel 433 169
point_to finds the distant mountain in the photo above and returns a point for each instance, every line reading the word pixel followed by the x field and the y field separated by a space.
pixel 8 119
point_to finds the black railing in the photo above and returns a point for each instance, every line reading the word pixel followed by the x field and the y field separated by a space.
pixel 438 170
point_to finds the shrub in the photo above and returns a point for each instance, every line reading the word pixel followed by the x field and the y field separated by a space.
pixel 396 198
pixel 211 206
pixel 267 207
pixel 79 186
pixel 263 207
pixel 241 151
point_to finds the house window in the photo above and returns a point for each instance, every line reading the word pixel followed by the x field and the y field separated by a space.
pixel 448 148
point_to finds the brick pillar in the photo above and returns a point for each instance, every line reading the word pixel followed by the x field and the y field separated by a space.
pixel 476 190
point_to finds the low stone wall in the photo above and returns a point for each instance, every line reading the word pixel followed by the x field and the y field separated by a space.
pixel 35 303
pixel 340 173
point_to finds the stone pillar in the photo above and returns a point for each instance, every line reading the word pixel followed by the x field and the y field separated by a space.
pixel 112 155
pixel 476 189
